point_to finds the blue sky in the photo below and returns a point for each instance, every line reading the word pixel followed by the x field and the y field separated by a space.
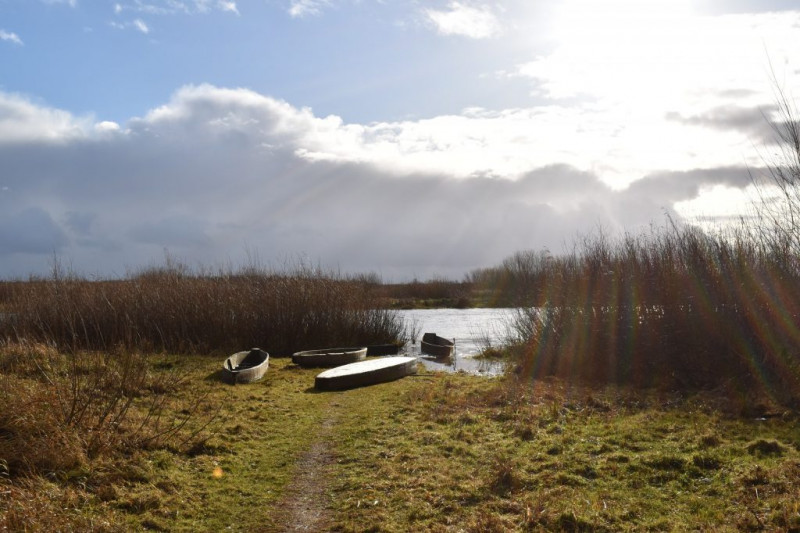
pixel 407 138
pixel 363 61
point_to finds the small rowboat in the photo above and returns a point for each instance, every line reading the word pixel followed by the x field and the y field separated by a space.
pixel 366 373
pixel 327 357
pixel 437 346
pixel 246 367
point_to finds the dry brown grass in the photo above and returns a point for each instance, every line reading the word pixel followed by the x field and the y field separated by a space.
pixel 175 310
pixel 433 293
pixel 677 309
pixel 58 411
pixel 71 427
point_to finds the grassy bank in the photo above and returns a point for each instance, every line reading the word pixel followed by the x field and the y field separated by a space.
pixel 430 453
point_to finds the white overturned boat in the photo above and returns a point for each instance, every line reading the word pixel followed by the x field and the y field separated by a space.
pixel 328 357
pixel 366 373
pixel 245 367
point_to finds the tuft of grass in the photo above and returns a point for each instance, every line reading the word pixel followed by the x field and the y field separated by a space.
pixel 503 478
pixel 766 448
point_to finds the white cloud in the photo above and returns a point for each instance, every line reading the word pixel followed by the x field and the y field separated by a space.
pixel 302 8
pixel 657 55
pixel 461 19
pixel 140 26
pixel 70 3
pixel 23 121
pixel 106 127
pixel 204 6
pixel 136 24
pixel 10 37
pixel 173 7
pixel 228 6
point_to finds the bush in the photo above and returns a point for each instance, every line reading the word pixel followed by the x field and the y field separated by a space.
pixel 58 411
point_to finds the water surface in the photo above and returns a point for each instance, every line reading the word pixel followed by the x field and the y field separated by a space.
pixel 470 328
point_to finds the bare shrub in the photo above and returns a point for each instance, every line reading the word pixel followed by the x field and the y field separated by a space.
pixel 77 406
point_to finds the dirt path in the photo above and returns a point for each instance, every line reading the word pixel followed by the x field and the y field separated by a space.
pixel 306 503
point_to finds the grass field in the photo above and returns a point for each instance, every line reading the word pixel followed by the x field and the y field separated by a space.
pixel 433 452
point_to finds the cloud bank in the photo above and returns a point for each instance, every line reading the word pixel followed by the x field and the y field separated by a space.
pixel 215 174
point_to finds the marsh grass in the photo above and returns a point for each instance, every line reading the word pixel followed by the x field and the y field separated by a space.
pixel 677 308
pixel 436 292
pixel 173 309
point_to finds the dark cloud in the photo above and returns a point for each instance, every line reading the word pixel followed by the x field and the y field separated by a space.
pixel 30 231
pixel 672 187
pixel 175 231
pixel 752 121
pixel 80 223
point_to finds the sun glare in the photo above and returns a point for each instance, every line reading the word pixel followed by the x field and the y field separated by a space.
pixel 618 46
pixel 588 19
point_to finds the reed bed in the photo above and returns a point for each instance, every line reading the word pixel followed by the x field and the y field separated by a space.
pixel 678 308
pixel 432 293
pixel 519 280
pixel 172 309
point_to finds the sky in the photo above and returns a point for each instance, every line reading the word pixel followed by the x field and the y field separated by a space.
pixel 406 138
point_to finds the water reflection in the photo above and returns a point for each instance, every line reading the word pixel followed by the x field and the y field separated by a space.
pixel 470 328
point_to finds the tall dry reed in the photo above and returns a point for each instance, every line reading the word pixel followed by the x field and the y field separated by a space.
pixel 676 308
pixel 175 310
pixel 519 280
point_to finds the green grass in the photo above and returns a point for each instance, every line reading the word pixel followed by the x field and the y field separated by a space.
pixel 461 453
pixel 438 452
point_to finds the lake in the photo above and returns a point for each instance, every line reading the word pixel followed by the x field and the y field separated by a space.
pixel 469 328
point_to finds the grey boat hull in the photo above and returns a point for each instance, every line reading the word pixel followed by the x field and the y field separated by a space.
pixel 245 367
pixel 329 357
pixel 437 346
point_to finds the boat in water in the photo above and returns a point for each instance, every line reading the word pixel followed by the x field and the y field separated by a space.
pixel 436 346
pixel 328 357
pixel 366 373
pixel 246 367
